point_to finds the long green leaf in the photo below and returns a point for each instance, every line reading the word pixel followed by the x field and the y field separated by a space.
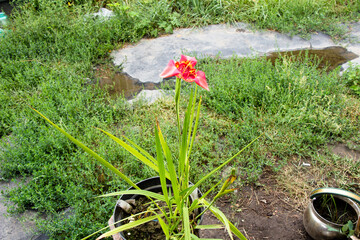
pixel 161 165
pixel 236 231
pixel 213 226
pixel 220 215
pixel 135 192
pixel 211 189
pixel 171 167
pixel 225 192
pixel 228 225
pixel 192 188
pixel 183 143
pixel 128 226
pixel 195 127
pixel 191 117
pixel 188 139
pixel 151 158
pixel 164 227
pixel 186 223
pixel 89 151
pixel 94 233
pixel 177 103
pixel 133 151
pixel 183 158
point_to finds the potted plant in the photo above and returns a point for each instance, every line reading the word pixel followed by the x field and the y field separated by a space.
pixel 172 206
pixel 130 204
pixel 332 214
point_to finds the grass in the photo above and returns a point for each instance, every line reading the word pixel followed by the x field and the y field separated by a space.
pixel 47 59
pixel 302 17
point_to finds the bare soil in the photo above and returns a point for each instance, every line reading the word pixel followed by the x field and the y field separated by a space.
pixel 260 212
pixel 148 231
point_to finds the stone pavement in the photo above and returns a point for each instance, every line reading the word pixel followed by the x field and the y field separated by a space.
pixel 146 59
pixel 19 227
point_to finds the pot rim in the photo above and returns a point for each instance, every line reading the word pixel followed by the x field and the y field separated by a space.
pixel 352 204
pixel 335 192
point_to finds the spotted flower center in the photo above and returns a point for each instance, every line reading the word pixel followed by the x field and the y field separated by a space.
pixel 188 72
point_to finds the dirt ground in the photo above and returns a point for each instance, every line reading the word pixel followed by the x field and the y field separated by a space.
pixel 263 211
pixel 260 212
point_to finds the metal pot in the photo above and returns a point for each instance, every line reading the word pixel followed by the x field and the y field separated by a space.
pixel 317 226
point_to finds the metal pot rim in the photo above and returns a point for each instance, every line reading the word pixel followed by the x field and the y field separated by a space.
pixel 336 192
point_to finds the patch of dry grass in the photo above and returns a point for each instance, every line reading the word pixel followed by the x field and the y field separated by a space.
pixel 324 169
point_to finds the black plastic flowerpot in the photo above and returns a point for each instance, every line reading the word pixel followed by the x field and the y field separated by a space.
pixel 154 185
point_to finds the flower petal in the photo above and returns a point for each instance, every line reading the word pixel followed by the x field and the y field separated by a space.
pixel 187 78
pixel 185 58
pixel 200 80
pixel 170 70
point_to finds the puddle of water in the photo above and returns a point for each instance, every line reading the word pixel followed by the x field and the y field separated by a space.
pixel 331 56
pixel 118 84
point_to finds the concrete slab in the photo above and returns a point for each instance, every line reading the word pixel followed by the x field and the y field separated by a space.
pixel 16 227
pixel 146 59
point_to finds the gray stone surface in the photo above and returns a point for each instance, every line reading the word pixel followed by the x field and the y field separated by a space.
pixel 146 59
pixel 345 66
pixel 18 227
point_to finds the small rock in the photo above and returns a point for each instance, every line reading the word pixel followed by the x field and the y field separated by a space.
pixel 149 96
pixel 104 13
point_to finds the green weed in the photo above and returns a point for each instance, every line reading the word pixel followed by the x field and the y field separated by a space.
pixel 352 79
pixel 297 95
pixel 300 17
